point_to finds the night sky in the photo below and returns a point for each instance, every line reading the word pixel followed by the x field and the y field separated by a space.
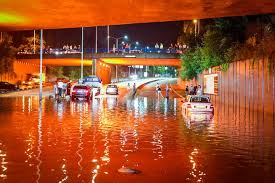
pixel 146 34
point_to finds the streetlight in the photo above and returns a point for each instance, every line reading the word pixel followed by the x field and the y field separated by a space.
pixel 195 21
pixel 197 26
pixel 124 37
pixel 136 45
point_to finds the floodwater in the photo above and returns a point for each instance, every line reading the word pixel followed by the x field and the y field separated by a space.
pixel 89 142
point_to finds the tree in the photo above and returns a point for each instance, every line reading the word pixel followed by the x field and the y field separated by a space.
pixel 7 55
pixel 28 44
pixel 215 46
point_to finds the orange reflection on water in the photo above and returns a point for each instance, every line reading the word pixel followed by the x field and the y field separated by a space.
pixel 4 163
pixel 90 141
pixel 196 174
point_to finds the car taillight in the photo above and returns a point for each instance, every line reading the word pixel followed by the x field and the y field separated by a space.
pixel 188 106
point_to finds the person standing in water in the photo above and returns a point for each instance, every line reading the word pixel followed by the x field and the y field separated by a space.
pixel 134 88
pixel 167 91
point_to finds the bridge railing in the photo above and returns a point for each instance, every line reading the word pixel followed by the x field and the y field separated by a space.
pixel 60 51
pixel 102 55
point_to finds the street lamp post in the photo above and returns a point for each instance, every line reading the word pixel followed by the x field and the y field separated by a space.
pixel 195 23
pixel 197 26
pixel 34 41
pixel 82 53
pixel 124 37
pixel 136 44
pixel 108 39
pixel 40 65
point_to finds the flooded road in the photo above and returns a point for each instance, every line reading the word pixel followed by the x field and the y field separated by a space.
pixel 90 141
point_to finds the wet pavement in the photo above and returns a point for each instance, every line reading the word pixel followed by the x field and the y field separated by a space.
pixel 90 141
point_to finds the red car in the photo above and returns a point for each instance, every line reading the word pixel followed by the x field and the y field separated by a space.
pixel 81 91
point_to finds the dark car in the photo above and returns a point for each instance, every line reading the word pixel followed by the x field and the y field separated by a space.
pixel 81 91
pixel 7 87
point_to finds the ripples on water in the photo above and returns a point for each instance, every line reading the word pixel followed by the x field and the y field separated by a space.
pixel 89 142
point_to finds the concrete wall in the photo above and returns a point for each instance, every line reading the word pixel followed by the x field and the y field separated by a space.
pixel 246 89
pixel 21 69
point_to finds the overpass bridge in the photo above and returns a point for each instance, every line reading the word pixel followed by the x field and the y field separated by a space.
pixel 74 59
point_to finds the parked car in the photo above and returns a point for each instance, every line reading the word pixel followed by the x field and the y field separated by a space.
pixel 81 91
pixel 94 82
pixel 7 87
pixel 112 89
pixel 197 104
pixel 25 86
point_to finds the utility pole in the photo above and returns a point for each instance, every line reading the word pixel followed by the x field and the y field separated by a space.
pixel 82 53
pixel 96 39
pixel 34 41
pixel 116 74
pixel 108 39
pixel 94 61
pixel 41 62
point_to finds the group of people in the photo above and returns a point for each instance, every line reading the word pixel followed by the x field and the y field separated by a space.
pixel 193 90
pixel 167 89
pixel 173 48
pixel 159 46
pixel 176 48
pixel 71 47
pixel 60 89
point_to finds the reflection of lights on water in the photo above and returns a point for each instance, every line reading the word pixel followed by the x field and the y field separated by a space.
pixel 64 171
pixel 166 106
pixel 30 147
pixel 80 148
pixel 79 106
pixel 157 143
pixel 145 104
pixel 60 110
pixel 196 174
pixel 95 172
pixel 39 129
pixel 29 104
pixel 4 168
pixel 136 107
pixel 111 102
pixel 129 141
pixel 175 106
pixel 23 104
